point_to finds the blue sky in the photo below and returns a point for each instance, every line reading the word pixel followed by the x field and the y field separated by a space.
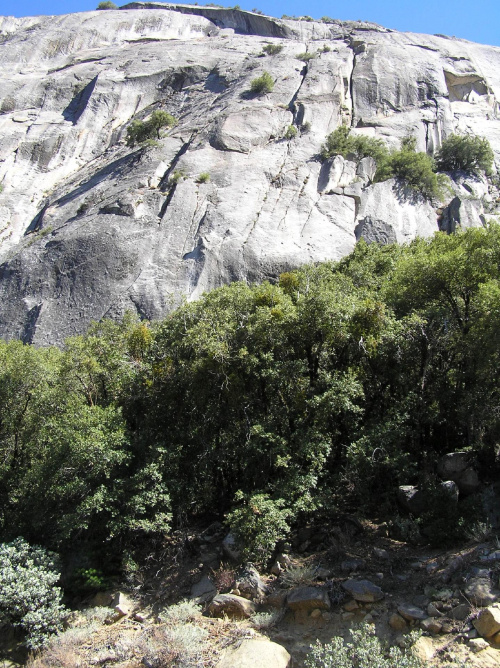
pixel 477 20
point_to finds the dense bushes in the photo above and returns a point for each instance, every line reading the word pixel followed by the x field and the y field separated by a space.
pixel 139 132
pixel 365 651
pixel 416 169
pixel 468 153
pixel 268 402
pixel 28 598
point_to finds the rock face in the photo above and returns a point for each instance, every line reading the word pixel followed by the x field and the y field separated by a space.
pixel 90 228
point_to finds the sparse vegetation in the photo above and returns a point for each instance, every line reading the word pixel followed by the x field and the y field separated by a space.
pixel 467 153
pixel 140 132
pixel 177 176
pixel 306 56
pixel 272 49
pixel 263 84
pixel 291 132
pixel 204 177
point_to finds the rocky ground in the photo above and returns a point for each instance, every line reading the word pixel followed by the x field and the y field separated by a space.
pixel 326 583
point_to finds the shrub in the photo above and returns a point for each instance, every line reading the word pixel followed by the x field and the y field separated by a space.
pixel 263 84
pixel 295 576
pixel 291 132
pixel 139 132
pixel 415 168
pixel 177 176
pixel 470 154
pixel 306 56
pixel 259 524
pixel 272 49
pixel 28 598
pixel 107 4
pixel 341 142
pixel 204 177
pixel 365 651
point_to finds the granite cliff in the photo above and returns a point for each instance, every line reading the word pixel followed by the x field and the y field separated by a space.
pixel 90 227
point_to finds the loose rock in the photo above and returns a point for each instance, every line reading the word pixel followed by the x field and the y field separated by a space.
pixel 363 590
pixel 235 607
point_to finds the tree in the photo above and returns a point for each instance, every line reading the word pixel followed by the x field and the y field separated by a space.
pixel 107 4
pixel 263 84
pixel 139 132
pixel 465 152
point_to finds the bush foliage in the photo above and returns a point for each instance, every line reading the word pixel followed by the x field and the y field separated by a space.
pixel 365 651
pixel 342 142
pixel 28 598
pixel 139 132
pixel 269 402
pixel 263 84
pixel 465 152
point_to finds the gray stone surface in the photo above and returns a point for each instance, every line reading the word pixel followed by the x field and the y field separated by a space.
pixel 363 590
pixel 90 228
pixel 308 598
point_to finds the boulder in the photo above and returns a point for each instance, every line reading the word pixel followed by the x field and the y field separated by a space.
pixel 363 590
pixel 480 591
pixel 256 653
pixel 250 584
pixel 308 598
pixel 411 612
pixel 204 590
pixel 468 481
pixel 450 466
pixel 460 612
pixel 230 547
pixel 366 169
pixel 412 499
pixel 431 625
pixel 235 607
pixel 397 623
pixel 478 644
pixel 121 604
pixel 424 649
pixel 487 623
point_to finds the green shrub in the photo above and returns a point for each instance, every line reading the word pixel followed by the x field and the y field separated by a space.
pixel 272 49
pixel 263 84
pixel 365 651
pixel 177 176
pixel 107 4
pixel 139 132
pixel 341 142
pixel 470 154
pixel 291 132
pixel 415 168
pixel 306 56
pixel 259 524
pixel 28 598
pixel 204 177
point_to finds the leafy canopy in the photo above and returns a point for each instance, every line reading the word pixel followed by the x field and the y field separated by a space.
pixel 139 132
pixel 342 142
pixel 467 153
